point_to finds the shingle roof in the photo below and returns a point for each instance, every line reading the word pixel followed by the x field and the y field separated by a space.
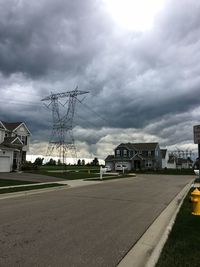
pixel 110 157
pixel 8 142
pixel 139 146
pixel 7 148
pixel 11 125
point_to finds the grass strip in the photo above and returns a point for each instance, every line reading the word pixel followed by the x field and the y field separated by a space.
pixel 183 244
pixel 26 188
pixel 69 175
pixel 7 182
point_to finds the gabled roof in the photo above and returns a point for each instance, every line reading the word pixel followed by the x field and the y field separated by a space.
pixel 139 146
pixel 2 126
pixel 12 142
pixel 110 157
pixel 137 157
pixel 12 126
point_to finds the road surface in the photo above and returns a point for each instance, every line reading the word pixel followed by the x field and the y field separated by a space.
pixel 90 226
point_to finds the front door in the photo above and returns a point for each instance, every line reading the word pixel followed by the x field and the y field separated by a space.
pixel 137 164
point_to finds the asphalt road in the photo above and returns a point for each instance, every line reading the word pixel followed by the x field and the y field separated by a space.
pixel 90 226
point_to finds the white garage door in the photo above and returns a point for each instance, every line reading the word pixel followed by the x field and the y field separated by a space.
pixel 4 164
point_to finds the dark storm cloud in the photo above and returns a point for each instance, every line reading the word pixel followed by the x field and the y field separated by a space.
pixel 39 37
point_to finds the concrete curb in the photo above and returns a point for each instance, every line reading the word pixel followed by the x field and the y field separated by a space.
pixel 147 250
pixel 32 192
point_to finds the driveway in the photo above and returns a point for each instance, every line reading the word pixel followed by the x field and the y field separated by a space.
pixel 85 226
pixel 28 177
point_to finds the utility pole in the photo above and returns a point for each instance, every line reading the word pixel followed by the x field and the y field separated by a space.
pixel 62 139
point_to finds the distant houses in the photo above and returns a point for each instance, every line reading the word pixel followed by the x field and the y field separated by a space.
pixel 145 156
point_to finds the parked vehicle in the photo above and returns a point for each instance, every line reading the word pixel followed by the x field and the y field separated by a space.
pixel 108 168
pixel 196 172
pixel 121 167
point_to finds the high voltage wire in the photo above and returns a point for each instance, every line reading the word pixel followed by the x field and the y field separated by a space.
pixel 19 102
pixel 93 111
pixel 38 104
pixel 83 119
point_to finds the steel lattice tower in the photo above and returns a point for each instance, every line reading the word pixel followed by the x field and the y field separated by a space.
pixel 62 140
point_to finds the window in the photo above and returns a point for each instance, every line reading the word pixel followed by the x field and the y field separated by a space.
pixel 125 153
pixel 23 139
pixel 140 152
pixel 149 153
pixel 118 152
pixel 149 163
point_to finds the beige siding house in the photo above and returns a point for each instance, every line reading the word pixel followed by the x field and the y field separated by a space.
pixel 14 144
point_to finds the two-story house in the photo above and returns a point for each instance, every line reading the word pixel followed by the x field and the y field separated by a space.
pixel 135 156
pixel 14 144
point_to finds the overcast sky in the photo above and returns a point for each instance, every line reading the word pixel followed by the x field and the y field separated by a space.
pixel 139 62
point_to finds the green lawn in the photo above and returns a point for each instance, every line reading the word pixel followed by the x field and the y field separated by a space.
pixel 7 182
pixel 26 188
pixel 72 173
pixel 183 245
pixel 69 167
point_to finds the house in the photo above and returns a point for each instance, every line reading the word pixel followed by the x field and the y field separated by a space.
pixel 135 156
pixel 184 163
pixel 14 144
pixel 175 162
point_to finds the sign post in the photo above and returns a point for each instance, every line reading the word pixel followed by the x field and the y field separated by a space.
pixel 101 173
pixel 196 130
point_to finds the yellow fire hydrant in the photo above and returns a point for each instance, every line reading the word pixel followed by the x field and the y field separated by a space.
pixel 195 199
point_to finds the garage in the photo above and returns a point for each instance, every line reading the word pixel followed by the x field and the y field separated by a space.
pixel 4 164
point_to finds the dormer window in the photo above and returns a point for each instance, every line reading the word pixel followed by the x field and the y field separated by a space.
pixel 118 152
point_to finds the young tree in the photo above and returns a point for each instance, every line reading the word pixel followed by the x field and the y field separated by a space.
pixel 95 162
pixel 38 161
pixel 83 162
pixel 79 162
pixel 59 163
pixel 51 162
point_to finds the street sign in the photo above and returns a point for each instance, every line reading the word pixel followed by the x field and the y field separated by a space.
pixel 196 130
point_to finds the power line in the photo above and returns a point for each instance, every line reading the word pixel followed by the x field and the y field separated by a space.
pixel 93 111
pixel 20 102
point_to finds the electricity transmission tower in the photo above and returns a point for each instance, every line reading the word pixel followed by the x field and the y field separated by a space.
pixel 62 141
